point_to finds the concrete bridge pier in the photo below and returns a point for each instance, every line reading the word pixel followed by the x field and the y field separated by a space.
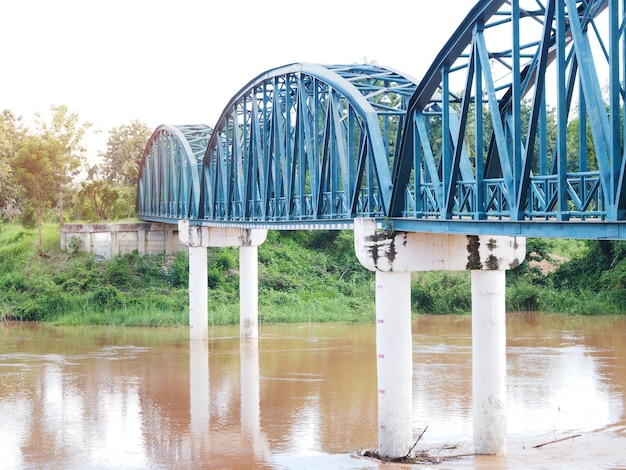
pixel 249 291
pixel 393 256
pixel 394 363
pixel 489 404
pixel 198 293
pixel 198 239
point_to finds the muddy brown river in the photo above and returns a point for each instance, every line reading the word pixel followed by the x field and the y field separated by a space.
pixel 302 397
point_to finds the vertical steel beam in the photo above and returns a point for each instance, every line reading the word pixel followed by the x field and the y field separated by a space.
pixel 446 152
pixel 516 102
pixel 479 161
pixel 561 140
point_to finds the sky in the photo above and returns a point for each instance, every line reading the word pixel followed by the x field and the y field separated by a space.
pixel 180 61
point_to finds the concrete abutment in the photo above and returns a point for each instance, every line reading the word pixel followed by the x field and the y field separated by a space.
pixel 393 256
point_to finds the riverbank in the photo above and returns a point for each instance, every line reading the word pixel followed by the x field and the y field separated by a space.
pixel 303 277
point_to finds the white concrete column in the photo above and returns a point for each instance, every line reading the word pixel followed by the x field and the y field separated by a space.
pixel 395 363
pixel 248 292
pixel 489 361
pixel 198 293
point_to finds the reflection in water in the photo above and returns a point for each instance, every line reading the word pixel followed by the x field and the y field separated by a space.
pixel 299 396
pixel 199 395
pixel 250 399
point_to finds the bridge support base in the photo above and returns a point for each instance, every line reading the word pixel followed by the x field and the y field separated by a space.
pixel 198 293
pixel 198 238
pixel 489 361
pixel 393 256
pixel 395 363
pixel 248 292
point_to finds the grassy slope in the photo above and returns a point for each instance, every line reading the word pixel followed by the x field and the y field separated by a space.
pixel 302 277
pixel 296 283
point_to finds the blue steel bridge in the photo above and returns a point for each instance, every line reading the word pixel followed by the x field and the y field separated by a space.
pixel 516 129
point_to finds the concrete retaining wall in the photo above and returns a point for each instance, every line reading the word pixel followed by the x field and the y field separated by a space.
pixel 109 240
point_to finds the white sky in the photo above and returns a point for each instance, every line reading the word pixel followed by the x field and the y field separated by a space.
pixel 180 61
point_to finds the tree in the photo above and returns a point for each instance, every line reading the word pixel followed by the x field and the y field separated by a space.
pixel 37 174
pixel 125 149
pixel 12 132
pixel 102 196
pixel 68 131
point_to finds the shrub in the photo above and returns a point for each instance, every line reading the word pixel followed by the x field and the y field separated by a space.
pixel 523 296
pixel 107 297
pixel 442 292
pixel 178 272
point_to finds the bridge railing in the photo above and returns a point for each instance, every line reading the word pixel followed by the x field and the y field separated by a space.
pixel 335 206
pixel 586 200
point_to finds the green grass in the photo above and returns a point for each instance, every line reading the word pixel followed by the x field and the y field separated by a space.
pixel 303 277
pixel 310 277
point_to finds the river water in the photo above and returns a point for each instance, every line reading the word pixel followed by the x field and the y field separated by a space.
pixel 302 397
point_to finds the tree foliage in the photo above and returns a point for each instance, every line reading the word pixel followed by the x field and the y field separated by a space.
pixel 12 132
pixel 66 129
pixel 36 168
pixel 103 200
pixel 39 169
pixel 102 196
pixel 124 152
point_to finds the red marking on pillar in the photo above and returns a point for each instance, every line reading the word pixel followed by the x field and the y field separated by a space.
pixel 381 356
pixel 380 320
pixel 381 391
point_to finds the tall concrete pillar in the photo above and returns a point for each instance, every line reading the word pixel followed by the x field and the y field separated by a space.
pixel 394 363
pixel 198 293
pixel 248 292
pixel 386 251
pixel 489 361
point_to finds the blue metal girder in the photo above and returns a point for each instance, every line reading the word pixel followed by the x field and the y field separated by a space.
pixel 477 144
pixel 306 142
pixel 169 174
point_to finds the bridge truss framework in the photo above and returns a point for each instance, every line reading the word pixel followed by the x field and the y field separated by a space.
pixel 516 129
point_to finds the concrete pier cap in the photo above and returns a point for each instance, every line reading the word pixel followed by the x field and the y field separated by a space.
pixel 387 251
pixel 197 236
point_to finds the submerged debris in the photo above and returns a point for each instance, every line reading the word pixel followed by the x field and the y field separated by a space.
pixel 557 440
pixel 421 457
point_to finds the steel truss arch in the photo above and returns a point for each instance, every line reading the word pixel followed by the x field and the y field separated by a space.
pixel 476 143
pixel 306 142
pixel 169 173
